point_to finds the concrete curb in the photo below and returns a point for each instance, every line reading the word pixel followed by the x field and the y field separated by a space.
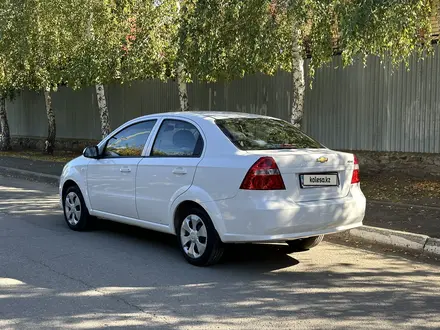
pixel 398 239
pixel 432 246
pixel 428 207
pixel 29 175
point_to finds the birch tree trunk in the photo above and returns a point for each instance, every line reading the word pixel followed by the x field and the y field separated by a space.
pixel 298 81
pixel 181 74
pixel 51 128
pixel 103 110
pixel 100 91
pixel 183 88
pixel 437 11
pixel 5 137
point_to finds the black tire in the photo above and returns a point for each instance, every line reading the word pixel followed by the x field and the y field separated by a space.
pixel 84 220
pixel 214 246
pixel 304 244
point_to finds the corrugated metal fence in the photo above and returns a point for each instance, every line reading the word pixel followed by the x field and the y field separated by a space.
pixel 354 108
pixel 77 113
pixel 373 108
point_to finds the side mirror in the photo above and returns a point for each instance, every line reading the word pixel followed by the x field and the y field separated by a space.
pixel 91 152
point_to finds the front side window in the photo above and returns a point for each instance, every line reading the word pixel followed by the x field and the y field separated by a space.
pixel 265 134
pixel 177 138
pixel 130 141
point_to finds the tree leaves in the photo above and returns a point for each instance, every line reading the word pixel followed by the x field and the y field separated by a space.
pixel 223 40
pixel 34 42
pixel 390 29
pixel 85 42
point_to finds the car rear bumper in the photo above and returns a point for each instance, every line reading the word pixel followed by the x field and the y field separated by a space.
pixel 264 220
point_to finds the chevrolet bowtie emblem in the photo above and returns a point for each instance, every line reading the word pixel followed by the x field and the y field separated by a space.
pixel 322 159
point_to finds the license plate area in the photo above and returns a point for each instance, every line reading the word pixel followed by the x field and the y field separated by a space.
pixel 319 180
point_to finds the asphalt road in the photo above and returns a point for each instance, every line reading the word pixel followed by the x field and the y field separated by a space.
pixel 124 278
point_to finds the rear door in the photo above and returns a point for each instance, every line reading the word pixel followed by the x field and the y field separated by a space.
pixel 169 169
pixel 111 180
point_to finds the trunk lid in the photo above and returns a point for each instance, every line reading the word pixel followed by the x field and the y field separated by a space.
pixel 294 164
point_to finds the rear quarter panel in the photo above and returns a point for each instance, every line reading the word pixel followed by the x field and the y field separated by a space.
pixel 223 166
pixel 221 177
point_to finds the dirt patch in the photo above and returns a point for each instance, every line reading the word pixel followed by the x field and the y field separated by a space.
pixel 59 156
pixel 401 188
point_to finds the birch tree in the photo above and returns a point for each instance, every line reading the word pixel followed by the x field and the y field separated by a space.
pixel 100 91
pixel 6 92
pixel 37 45
pixel 7 77
pixel 96 42
pixel 93 57
pixel 49 47
pixel 180 66
pixel 99 86
pixel 5 137
pixel 298 78
pixel 9 86
pixel 13 73
pixel 119 41
pixel 392 30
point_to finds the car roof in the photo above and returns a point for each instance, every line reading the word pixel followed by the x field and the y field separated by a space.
pixel 205 114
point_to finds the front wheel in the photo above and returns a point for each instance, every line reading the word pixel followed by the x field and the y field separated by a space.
pixel 198 239
pixel 75 210
pixel 304 244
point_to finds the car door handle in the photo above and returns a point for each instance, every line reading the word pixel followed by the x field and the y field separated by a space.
pixel 125 170
pixel 179 171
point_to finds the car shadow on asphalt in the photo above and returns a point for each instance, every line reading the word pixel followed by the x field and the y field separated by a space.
pixel 260 257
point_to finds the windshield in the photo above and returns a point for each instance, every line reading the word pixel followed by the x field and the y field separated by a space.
pixel 265 134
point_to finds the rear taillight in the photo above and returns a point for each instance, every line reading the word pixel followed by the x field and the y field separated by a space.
pixel 355 178
pixel 263 175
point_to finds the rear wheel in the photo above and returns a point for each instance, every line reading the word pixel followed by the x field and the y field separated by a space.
pixel 198 239
pixel 76 213
pixel 304 244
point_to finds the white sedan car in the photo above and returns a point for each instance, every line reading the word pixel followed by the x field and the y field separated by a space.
pixel 212 178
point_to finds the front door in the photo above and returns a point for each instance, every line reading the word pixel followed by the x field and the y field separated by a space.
pixel 169 170
pixel 111 180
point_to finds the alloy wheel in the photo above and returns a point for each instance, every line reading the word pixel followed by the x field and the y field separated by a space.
pixel 72 206
pixel 193 236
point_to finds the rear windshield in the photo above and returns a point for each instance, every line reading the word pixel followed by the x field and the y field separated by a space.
pixel 265 134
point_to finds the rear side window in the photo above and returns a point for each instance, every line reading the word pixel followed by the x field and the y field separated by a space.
pixel 177 138
pixel 265 134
